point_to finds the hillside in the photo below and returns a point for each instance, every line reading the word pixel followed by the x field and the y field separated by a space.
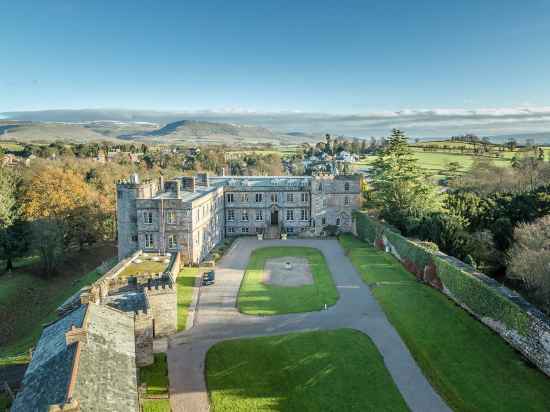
pixel 179 132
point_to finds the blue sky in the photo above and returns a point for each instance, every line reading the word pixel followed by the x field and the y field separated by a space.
pixel 337 57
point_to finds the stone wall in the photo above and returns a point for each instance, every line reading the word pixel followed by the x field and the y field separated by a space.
pixel 518 322
pixel 163 302
pixel 143 329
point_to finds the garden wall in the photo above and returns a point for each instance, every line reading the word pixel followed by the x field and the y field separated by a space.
pixel 518 322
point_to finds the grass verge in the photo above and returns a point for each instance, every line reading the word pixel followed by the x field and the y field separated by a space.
pixel 155 376
pixel 468 364
pixel 312 371
pixel 185 283
pixel 258 298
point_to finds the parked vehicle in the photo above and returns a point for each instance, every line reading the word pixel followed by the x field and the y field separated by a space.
pixel 208 278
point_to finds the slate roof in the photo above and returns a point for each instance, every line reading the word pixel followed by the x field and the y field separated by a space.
pixel 106 373
pixel 47 378
pixel 128 301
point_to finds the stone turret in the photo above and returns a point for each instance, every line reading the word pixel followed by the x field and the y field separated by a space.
pixel 127 193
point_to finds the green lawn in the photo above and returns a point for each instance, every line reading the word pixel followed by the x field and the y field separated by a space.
pixel 337 370
pixel 467 363
pixel 156 405
pixel 185 282
pixel 258 298
pixel 156 376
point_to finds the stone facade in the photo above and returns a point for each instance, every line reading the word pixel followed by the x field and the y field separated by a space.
pixel 193 214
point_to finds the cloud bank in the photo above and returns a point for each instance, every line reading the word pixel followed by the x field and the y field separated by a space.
pixel 415 122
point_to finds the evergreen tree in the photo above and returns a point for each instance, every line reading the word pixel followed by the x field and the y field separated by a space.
pixel 401 189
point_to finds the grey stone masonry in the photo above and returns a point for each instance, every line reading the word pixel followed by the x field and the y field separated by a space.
pixel 191 215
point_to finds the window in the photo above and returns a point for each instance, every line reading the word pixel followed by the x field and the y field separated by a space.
pixel 171 217
pixel 320 188
pixel 290 230
pixel 337 221
pixel 230 198
pixel 244 230
pixel 149 242
pixel 346 200
pixel 259 215
pixel 290 197
pixel 305 197
pixel 231 215
pixel 244 197
pixel 274 197
pixel 259 197
pixel 148 218
pixel 244 215
pixel 289 214
pixel 346 186
pixel 134 238
pixel 230 230
pixel 324 221
pixel 303 214
pixel 172 243
pixel 325 202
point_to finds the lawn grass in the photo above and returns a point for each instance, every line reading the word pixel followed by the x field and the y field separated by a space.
pixel 338 370
pixel 28 301
pixel 155 376
pixel 258 298
pixel 156 405
pixel 184 287
pixel 468 364
pixel 145 266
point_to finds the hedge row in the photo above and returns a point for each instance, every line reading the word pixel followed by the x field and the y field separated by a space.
pixel 481 298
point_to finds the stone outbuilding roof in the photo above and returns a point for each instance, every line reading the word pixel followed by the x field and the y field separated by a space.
pixel 88 357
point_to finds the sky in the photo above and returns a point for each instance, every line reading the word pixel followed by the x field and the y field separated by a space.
pixel 433 60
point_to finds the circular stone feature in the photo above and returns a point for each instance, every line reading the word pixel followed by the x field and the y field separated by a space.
pixel 287 271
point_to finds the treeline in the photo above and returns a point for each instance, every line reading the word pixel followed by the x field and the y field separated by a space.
pixel 482 219
pixel 55 206
pixel 335 145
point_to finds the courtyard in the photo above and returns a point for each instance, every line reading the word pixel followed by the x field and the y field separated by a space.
pixel 282 280
pixel 298 357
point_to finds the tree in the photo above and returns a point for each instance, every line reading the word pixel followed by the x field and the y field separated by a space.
pixel 401 189
pixel 529 259
pixel 63 198
pixel 47 240
pixel 11 237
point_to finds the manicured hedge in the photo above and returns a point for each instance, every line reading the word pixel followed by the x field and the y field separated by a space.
pixel 481 298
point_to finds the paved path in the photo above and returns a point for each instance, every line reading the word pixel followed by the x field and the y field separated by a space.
pixel 218 319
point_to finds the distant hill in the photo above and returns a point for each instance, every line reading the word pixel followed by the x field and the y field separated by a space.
pixel 542 138
pixel 189 132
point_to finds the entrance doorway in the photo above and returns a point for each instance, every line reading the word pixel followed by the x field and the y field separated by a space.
pixel 274 217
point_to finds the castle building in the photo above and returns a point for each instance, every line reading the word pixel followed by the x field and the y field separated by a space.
pixel 191 214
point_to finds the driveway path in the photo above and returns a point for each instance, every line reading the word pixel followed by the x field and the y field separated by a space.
pixel 218 319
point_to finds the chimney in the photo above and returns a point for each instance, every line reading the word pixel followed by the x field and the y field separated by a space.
pixel 76 335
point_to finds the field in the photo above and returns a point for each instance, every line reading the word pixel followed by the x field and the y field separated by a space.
pixel 27 300
pixel 469 365
pixel 258 298
pixel 436 161
pixel 337 370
